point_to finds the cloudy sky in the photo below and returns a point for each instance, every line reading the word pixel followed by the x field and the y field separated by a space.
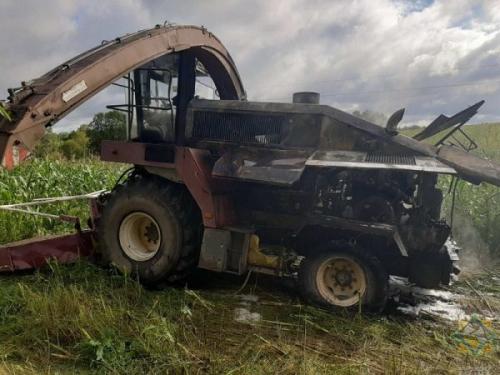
pixel 429 56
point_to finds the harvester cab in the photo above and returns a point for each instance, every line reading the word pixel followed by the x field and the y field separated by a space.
pixel 297 190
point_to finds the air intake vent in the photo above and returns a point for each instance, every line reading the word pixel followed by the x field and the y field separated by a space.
pixel 238 127
pixel 391 159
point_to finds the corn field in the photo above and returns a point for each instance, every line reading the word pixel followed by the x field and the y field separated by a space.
pixel 477 215
pixel 40 178
pixel 476 219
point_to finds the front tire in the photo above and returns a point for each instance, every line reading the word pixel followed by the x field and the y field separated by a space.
pixel 150 228
pixel 344 280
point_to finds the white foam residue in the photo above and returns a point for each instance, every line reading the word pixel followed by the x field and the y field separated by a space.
pixel 446 310
pixel 442 294
pixel 401 284
pixel 451 244
pixel 450 311
pixel 243 315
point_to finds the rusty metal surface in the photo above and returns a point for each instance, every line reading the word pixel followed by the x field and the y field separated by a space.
pixel 194 168
pixel 35 253
pixel 189 166
pixel 47 99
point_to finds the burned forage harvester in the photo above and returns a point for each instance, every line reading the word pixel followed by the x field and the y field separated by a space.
pixel 229 185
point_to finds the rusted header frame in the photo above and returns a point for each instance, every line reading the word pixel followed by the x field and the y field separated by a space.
pixel 45 100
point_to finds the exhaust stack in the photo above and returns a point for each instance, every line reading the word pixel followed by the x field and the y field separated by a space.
pixel 306 97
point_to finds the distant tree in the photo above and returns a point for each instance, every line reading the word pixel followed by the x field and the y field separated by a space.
pixel 87 139
pixel 76 145
pixel 49 146
pixel 372 116
pixel 106 126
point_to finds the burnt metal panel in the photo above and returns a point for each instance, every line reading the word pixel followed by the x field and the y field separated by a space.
pixel 138 153
pixel 224 250
pixel 380 229
pixel 159 153
pixel 237 254
pixel 277 167
pixel 214 123
pixel 470 167
pixel 213 255
pixel 351 224
pixel 362 160
pixel 443 122
pixel 185 92
pixel 238 127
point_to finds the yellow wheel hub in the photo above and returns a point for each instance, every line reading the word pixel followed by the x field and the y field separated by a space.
pixel 139 236
pixel 341 281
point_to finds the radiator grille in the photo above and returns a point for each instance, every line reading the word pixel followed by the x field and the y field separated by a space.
pixel 237 127
pixel 391 159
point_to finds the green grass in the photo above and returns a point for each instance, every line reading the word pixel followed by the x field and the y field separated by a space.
pixel 83 319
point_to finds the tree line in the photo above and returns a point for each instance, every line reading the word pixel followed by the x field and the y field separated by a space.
pixel 86 140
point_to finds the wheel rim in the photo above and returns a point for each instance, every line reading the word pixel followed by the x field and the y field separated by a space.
pixel 341 281
pixel 139 236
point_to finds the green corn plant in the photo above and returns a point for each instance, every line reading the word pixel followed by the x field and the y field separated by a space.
pixel 40 178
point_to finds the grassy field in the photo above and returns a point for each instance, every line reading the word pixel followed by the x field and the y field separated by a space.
pixel 84 319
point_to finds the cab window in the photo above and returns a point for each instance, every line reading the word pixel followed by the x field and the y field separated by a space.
pixel 155 92
pixel 205 86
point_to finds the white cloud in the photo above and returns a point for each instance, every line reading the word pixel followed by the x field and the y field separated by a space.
pixel 367 54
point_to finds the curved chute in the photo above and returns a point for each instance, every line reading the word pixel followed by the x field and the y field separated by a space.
pixel 45 100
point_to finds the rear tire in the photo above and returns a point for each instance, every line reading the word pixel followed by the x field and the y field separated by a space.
pixel 150 228
pixel 342 280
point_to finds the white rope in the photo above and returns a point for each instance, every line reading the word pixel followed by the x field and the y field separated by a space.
pixel 40 201
pixel 23 207
pixel 36 213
